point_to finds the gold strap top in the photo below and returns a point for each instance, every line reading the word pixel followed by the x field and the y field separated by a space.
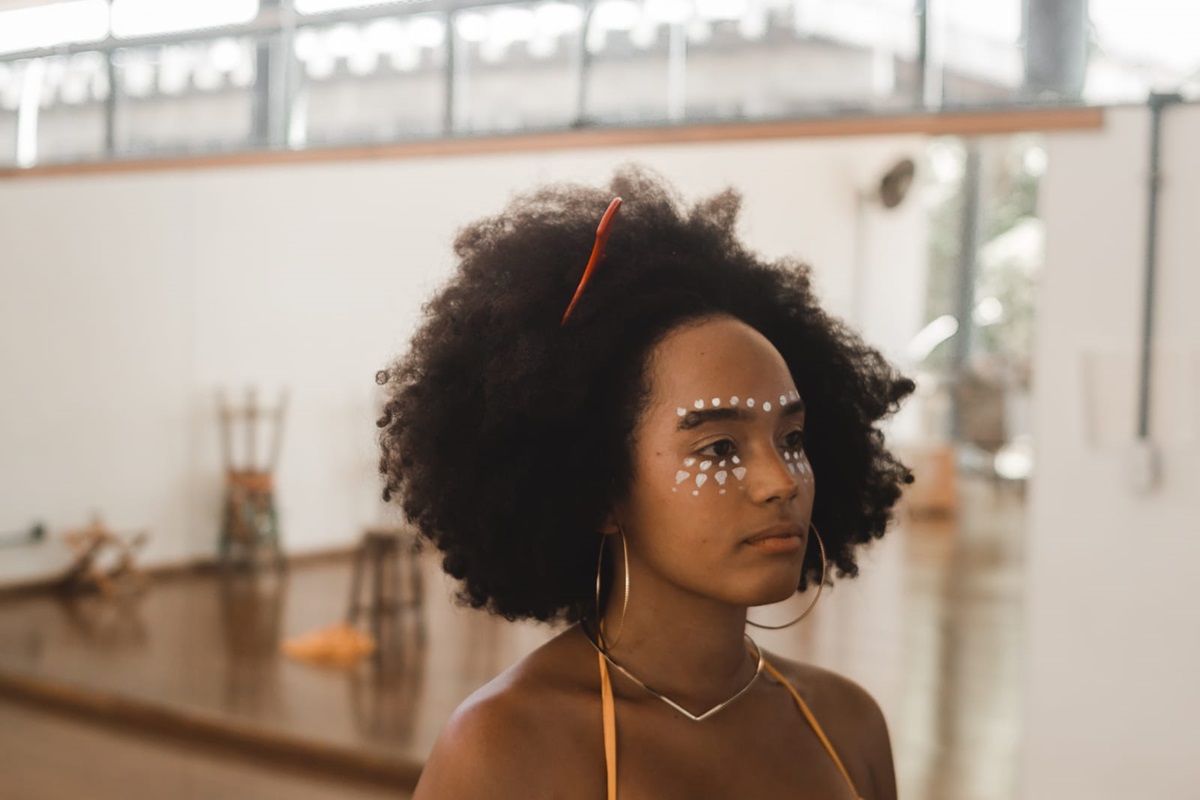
pixel 608 709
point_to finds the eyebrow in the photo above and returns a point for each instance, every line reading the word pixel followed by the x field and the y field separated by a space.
pixel 694 419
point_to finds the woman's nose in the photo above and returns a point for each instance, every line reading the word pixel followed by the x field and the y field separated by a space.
pixel 773 481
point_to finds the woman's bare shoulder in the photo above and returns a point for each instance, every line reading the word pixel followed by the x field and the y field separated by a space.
pixel 525 734
pixel 852 719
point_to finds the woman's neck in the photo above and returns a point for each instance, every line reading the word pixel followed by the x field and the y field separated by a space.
pixel 690 648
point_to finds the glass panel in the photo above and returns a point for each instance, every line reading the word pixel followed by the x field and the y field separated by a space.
pixel 517 66
pixel 190 97
pixel 71 118
pixel 1144 46
pixel 371 81
pixel 53 24
pixel 151 17
pixel 11 76
pixel 983 55
pixel 630 47
pixel 775 58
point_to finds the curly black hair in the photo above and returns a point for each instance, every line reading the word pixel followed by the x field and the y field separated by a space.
pixel 508 437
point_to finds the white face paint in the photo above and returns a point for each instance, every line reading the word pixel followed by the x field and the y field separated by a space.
pixel 795 462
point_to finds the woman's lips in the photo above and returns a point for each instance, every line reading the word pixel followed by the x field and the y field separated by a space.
pixel 783 538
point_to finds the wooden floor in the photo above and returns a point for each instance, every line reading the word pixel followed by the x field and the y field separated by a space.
pixel 932 628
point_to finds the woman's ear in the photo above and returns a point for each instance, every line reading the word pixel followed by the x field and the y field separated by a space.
pixel 610 526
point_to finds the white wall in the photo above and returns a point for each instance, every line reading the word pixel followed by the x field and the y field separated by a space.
pixel 1113 654
pixel 127 299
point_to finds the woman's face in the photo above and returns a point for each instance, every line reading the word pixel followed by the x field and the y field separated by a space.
pixel 722 491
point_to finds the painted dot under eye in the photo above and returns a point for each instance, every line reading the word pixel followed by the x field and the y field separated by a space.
pixel 700 479
pixel 782 399
pixel 722 463
pixel 681 476
pixel 739 472
pixel 721 477
pixel 787 456
pixel 695 493
pixel 704 465
pixel 737 460
pixel 687 462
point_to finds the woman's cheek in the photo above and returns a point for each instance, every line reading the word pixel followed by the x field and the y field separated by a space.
pixel 697 476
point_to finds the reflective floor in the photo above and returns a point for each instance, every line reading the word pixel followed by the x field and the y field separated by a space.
pixel 932 628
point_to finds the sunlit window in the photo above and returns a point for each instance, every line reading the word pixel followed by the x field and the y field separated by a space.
pixel 54 24
pixel 152 17
pixel 325 6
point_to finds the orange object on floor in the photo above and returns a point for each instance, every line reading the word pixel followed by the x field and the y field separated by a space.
pixel 339 645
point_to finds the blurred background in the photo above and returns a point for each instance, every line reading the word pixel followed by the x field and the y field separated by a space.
pixel 219 219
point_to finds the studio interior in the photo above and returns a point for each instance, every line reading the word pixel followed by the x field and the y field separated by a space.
pixel 220 220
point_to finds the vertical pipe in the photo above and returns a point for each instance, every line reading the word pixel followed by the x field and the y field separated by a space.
pixel 451 58
pixel 110 102
pixel 967 254
pixel 584 66
pixel 1056 45
pixel 1158 104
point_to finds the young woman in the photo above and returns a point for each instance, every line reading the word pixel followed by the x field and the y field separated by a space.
pixel 633 441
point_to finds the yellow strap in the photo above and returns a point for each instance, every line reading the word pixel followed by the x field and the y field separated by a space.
pixel 610 727
pixel 808 715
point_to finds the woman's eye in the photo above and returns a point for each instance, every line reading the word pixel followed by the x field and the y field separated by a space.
pixel 718 449
pixel 794 440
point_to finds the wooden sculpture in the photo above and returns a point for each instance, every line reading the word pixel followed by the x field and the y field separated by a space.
pixel 103 561
pixel 250 519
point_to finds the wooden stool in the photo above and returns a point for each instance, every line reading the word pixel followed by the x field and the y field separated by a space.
pixel 250 521
pixel 392 582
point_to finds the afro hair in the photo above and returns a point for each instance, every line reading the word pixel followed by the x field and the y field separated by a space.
pixel 507 436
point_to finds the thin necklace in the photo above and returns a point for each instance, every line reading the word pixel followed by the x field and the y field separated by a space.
pixel 693 717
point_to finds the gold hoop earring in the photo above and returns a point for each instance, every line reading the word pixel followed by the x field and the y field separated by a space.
pixel 811 605
pixel 604 644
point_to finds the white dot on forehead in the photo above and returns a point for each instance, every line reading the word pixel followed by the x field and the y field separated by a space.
pixel 716 401
pixel 767 406
pixel 782 399
pixel 750 403
pixel 698 404
pixel 681 411
pixel 733 401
